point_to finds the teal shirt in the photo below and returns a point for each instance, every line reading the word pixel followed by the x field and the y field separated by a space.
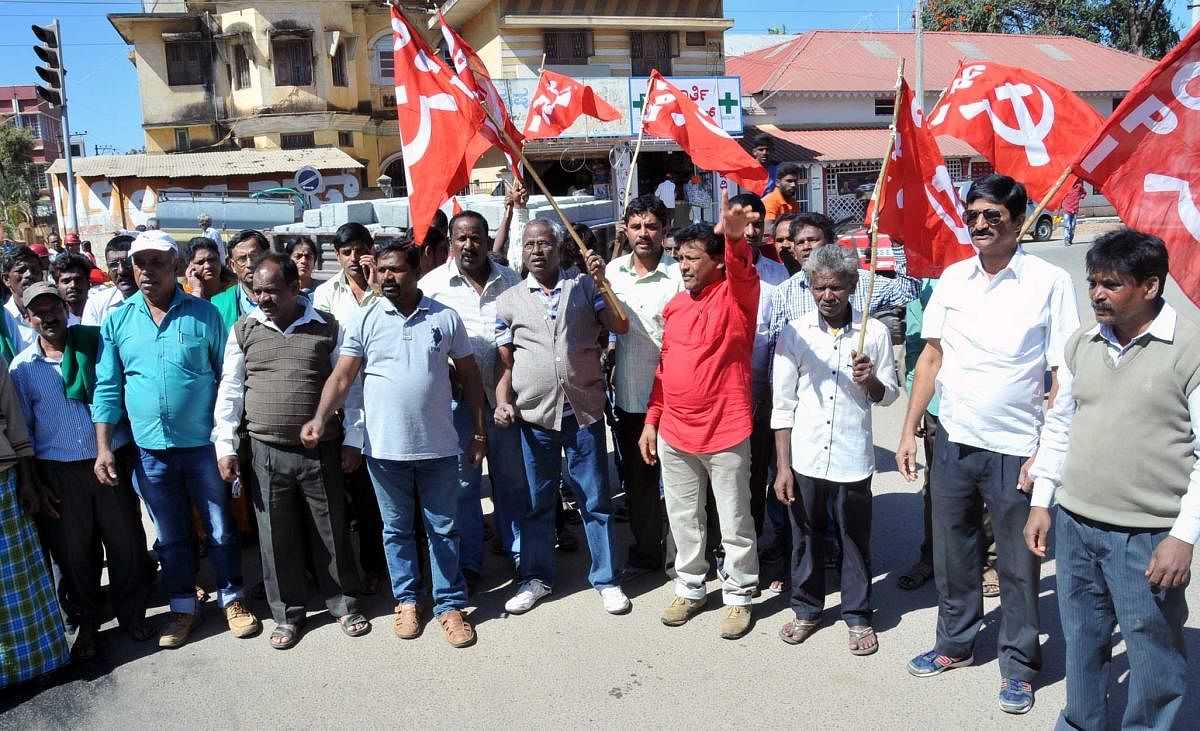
pixel 163 376
pixel 914 318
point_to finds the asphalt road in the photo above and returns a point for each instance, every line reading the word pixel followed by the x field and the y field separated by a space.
pixel 568 664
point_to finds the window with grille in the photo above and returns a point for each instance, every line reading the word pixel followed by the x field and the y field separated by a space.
pixel 40 180
pixel 385 61
pixel 182 139
pixel 293 60
pixel 297 140
pixel 337 65
pixel 345 139
pixel 241 68
pixel 188 63
pixel 246 143
pixel 568 47
pixel 33 123
pixel 695 38
pixel 885 107
pixel 649 51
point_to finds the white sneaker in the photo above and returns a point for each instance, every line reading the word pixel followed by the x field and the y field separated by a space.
pixel 615 601
pixel 530 593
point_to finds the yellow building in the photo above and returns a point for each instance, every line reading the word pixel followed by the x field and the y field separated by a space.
pixel 318 73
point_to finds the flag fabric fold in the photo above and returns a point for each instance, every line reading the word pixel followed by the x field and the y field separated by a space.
pixel 918 205
pixel 1027 126
pixel 560 100
pixel 1146 159
pixel 437 116
pixel 474 75
pixel 671 114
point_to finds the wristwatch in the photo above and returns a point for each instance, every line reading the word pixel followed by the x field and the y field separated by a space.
pixel 481 438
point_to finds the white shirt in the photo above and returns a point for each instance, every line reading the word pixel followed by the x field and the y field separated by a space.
pixel 666 193
pixel 770 275
pixel 231 393
pixel 1052 452
pixel 18 329
pixel 816 397
pixel 100 302
pixel 639 350
pixel 998 338
pixel 448 285
pixel 337 298
pixel 516 238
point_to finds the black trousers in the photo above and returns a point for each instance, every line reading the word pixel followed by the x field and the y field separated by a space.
pixel 851 507
pixel 930 422
pixel 96 524
pixel 364 511
pixel 762 454
pixel 965 480
pixel 300 503
pixel 641 494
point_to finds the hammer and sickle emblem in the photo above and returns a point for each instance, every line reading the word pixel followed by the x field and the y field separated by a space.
pixel 1028 134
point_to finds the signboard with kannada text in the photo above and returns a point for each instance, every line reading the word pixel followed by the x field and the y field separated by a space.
pixel 718 96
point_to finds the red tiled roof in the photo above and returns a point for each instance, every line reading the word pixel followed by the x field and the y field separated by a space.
pixel 854 61
pixel 839 145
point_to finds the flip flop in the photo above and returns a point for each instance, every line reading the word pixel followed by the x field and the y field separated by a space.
pixel 991 582
pixel 857 635
pixel 798 630
pixel 288 633
pixel 348 622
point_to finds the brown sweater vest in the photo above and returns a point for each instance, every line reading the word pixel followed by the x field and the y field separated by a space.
pixel 285 375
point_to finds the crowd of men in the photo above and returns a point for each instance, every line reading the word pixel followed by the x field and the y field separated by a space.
pixel 738 376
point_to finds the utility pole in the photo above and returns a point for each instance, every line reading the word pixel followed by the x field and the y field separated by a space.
pixel 919 71
pixel 54 73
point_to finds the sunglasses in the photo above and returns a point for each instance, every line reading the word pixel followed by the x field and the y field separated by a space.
pixel 991 215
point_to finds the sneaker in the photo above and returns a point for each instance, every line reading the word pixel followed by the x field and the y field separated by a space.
pixel 932 663
pixel 1016 696
pixel 242 622
pixel 615 601
pixel 530 593
pixel 681 609
pixel 175 632
pixel 735 622
pixel 458 632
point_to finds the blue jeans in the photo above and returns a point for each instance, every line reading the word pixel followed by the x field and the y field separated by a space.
pixel 434 483
pixel 506 472
pixel 1102 583
pixel 587 464
pixel 1069 226
pixel 170 482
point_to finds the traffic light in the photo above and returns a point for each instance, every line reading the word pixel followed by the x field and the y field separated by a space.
pixel 50 52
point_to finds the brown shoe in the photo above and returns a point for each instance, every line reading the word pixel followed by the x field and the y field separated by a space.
pixel 458 631
pixel 175 632
pixel 408 621
pixel 242 622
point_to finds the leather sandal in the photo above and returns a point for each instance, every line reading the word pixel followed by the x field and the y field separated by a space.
pixel 459 632
pixel 407 624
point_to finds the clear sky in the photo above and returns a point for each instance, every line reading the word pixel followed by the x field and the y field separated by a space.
pixel 103 87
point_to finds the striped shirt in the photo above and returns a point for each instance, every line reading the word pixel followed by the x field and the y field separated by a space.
pixel 638 350
pixel 61 428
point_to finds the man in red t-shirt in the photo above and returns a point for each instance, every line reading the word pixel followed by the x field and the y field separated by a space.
pixel 698 420
pixel 1070 207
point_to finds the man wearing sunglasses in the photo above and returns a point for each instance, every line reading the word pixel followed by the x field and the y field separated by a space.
pixel 102 300
pixel 993 326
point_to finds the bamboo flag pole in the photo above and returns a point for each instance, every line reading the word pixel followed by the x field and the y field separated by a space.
pixel 1041 206
pixel 637 149
pixel 610 299
pixel 876 196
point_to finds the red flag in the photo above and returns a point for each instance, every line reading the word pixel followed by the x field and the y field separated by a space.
pixel 474 74
pixel 1146 159
pixel 671 114
pixel 558 101
pixel 918 205
pixel 1027 126
pixel 437 116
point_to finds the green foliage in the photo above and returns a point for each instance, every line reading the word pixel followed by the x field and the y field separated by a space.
pixel 777 30
pixel 1139 26
pixel 17 189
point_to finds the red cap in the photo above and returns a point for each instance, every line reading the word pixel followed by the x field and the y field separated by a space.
pixel 40 250
pixel 71 238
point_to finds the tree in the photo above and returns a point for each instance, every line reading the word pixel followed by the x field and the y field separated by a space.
pixel 777 30
pixel 1139 26
pixel 17 188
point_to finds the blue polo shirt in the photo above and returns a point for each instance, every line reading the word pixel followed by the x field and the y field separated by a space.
pixel 163 376
pixel 406 378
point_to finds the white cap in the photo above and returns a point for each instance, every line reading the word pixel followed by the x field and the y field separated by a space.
pixel 152 240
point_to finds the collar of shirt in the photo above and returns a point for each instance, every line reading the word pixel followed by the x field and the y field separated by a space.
pixel 454 273
pixel 1014 266
pixel 180 296
pixel 310 314
pixel 1162 327
pixel 245 304
pixel 390 308
pixel 814 320
pixel 665 260
pixel 535 286
pixel 39 353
